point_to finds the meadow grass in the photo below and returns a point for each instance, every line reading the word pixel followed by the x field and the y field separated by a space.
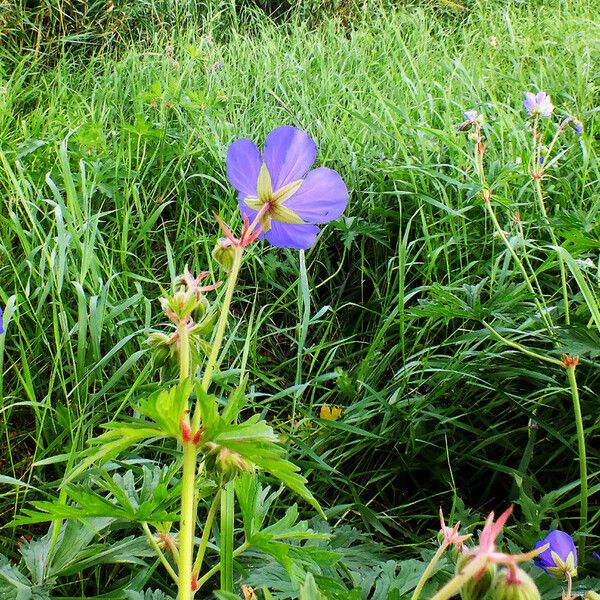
pixel 113 162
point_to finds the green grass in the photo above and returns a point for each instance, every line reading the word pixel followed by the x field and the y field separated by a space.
pixel 113 162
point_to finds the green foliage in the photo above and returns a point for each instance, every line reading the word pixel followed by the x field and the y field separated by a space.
pixel 111 167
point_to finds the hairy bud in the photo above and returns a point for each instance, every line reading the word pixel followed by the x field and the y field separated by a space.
pixel 515 584
pixel 480 585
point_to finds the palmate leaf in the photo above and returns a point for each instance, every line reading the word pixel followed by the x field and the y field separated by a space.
pixel 166 407
pixel 256 441
pixel 111 443
pixel 15 586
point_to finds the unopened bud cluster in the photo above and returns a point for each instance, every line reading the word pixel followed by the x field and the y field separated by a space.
pixel 187 307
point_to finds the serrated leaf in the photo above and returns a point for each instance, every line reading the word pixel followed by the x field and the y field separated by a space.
pixel 167 407
pixel 119 437
pixel 257 442
pixel 13 584
pixel 209 408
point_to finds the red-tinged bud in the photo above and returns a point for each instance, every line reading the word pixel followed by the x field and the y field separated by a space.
pixel 570 361
pixel 194 583
pixel 517 218
pixel 480 148
pixel 198 435
pixel 186 431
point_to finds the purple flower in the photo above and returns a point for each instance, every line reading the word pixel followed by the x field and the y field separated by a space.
pixel 575 124
pixel 560 558
pixel 472 119
pixel 471 116
pixel 538 104
pixel 278 189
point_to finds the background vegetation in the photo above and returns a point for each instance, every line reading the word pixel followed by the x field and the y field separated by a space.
pixel 114 124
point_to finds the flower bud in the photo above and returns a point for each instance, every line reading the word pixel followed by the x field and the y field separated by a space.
pixel 576 125
pixel 480 585
pixel 162 347
pixel 182 304
pixel 224 254
pixel 515 585
pixel 227 463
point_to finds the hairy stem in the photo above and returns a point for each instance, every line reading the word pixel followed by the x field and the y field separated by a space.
pixel 427 572
pixel 583 491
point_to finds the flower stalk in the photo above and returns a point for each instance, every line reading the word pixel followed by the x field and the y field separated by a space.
pixel 570 364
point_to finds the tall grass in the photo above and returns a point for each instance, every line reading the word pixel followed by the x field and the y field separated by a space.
pixel 112 165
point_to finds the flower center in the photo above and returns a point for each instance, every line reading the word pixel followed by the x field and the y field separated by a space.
pixel 271 203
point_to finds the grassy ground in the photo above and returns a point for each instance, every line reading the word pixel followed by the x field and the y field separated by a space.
pixel 112 164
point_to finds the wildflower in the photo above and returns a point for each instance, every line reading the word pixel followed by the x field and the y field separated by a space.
pixel 538 104
pixel 560 558
pixel 192 283
pixel 472 119
pixel 486 552
pixel 493 41
pixel 575 124
pixel 330 413
pixel 216 67
pixel 277 188
pixel 450 534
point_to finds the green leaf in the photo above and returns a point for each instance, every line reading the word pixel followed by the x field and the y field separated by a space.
pixel 590 298
pixel 113 442
pixel 256 441
pixel 167 407
pixel 309 590
pixel 209 407
pixel 236 401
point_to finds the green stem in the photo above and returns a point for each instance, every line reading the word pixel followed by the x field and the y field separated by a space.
pixel 227 524
pixel 304 310
pixel 541 309
pixel 188 483
pixel 520 348
pixel 206 534
pixel 217 567
pixel 454 585
pixel 184 351
pixel 156 547
pixel 187 526
pixel 561 262
pixel 427 573
pixel 220 329
pixel 583 491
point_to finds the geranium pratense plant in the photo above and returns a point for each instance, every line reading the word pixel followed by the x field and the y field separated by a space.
pixel 280 201
pixel 220 452
pixel 539 107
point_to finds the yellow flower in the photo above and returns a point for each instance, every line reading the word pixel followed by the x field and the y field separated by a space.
pixel 330 413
